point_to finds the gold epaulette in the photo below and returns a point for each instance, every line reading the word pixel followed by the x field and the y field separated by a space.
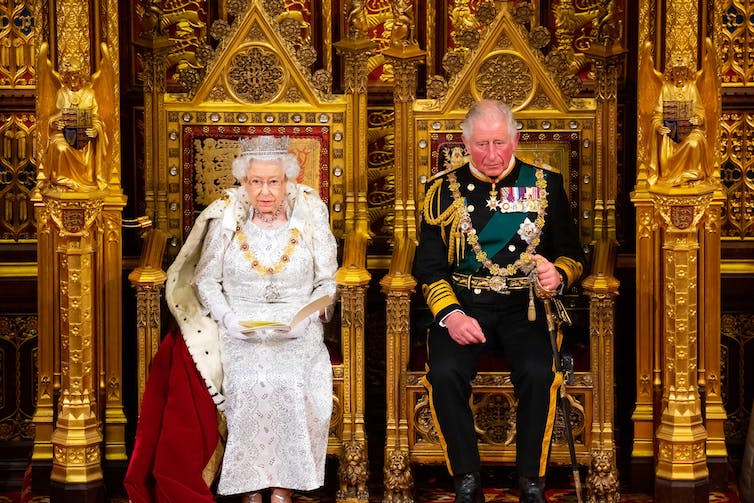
pixel 445 172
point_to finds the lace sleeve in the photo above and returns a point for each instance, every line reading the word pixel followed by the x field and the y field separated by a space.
pixel 324 251
pixel 208 276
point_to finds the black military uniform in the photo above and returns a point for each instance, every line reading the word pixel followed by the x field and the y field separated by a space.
pixel 474 252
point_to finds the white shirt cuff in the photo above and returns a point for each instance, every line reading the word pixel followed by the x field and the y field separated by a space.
pixel 442 321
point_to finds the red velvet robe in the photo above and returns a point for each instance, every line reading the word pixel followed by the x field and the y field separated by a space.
pixel 177 434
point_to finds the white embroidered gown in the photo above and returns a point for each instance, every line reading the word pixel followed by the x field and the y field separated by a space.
pixel 278 390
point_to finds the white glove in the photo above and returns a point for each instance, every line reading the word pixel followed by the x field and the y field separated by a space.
pixel 300 329
pixel 233 326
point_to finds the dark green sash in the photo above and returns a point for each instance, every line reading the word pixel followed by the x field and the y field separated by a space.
pixel 500 228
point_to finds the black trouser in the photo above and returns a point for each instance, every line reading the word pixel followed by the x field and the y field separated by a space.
pixel 526 344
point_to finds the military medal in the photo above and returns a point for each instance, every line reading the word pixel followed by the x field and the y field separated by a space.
pixel 492 202
pixel 519 199
pixel 528 231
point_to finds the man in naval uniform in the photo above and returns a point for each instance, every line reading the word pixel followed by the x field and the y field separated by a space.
pixel 491 229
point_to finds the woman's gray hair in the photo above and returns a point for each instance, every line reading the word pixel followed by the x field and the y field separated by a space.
pixel 289 163
pixel 485 108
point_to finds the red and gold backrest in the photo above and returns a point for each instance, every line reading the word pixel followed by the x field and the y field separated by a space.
pixel 207 151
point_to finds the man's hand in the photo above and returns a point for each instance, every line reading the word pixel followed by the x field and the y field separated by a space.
pixel 464 329
pixel 549 277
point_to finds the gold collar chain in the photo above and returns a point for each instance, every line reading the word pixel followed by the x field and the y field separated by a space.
pixel 252 258
pixel 524 261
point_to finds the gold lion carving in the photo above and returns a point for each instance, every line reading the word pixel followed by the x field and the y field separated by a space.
pixel 353 472
pixel 602 480
pixel 402 33
pixel 398 479
pixel 356 19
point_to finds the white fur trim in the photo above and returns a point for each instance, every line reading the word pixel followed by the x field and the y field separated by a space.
pixel 199 330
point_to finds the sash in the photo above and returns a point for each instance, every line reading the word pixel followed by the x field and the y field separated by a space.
pixel 500 228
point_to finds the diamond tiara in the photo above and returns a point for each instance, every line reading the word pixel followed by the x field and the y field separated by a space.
pixel 267 146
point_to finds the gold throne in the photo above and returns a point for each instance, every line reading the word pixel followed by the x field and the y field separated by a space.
pixel 557 133
pixel 256 83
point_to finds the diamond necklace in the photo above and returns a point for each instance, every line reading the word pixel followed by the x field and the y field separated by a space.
pixel 266 219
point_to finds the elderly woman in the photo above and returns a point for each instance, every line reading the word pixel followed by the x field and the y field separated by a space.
pixel 260 253
pixel 266 251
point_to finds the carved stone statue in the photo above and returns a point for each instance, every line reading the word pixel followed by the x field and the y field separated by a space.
pixel 75 117
pixel 682 125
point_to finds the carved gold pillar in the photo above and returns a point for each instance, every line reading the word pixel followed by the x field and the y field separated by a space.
pixel 709 344
pixel 398 286
pixel 352 277
pixel 678 197
pixel 355 52
pixel 48 357
pixel 608 61
pixel 77 438
pixel 405 59
pixel 648 282
pixel 681 436
pixel 148 280
pixel 353 486
pixel 601 285
pixel 648 378
pixel 153 53
pixel 78 204
pixel 109 330
pixel 153 47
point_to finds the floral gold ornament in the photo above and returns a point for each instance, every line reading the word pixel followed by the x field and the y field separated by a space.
pixel 285 257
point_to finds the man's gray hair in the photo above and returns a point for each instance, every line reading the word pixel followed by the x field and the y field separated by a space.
pixel 485 108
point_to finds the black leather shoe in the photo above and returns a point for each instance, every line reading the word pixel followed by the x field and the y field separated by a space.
pixel 532 489
pixel 468 488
